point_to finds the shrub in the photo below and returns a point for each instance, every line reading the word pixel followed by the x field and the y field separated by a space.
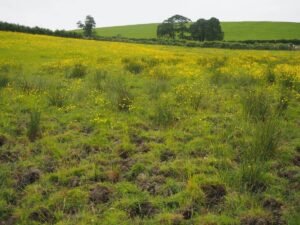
pixel 77 71
pixel 33 126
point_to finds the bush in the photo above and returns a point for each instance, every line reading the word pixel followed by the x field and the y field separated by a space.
pixel 33 126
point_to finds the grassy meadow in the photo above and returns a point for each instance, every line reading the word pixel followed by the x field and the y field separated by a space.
pixel 119 134
pixel 234 31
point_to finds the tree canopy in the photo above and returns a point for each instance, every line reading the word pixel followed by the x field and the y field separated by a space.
pixel 173 26
pixel 166 30
pixel 183 28
pixel 87 26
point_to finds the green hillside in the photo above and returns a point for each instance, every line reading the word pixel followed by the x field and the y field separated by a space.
pixel 233 30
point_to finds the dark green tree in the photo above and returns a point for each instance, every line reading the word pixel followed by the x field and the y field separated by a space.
pixel 166 30
pixel 172 26
pixel 180 24
pixel 214 30
pixel 198 30
pixel 207 30
pixel 88 26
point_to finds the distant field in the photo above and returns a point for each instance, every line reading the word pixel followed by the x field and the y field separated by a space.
pixel 233 30
pixel 95 132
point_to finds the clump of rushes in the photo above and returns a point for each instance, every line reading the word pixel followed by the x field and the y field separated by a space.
pixel 3 80
pixel 164 113
pixel 120 94
pixel 157 87
pixel 56 97
pixel 134 66
pixel 253 176
pixel 124 100
pixel 266 139
pixel 256 105
pixel 99 79
pixel 77 71
pixel 33 127
pixel 270 76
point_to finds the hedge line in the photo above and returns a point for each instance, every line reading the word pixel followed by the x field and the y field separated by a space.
pixel 206 44
pixel 279 41
pixel 37 30
pixel 250 44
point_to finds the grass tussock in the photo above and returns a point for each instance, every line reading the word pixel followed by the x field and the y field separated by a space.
pixel 34 125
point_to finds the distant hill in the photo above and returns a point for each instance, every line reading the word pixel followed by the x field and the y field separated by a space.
pixel 233 30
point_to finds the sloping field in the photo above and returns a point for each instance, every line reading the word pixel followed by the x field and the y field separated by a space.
pixel 234 31
pixel 112 133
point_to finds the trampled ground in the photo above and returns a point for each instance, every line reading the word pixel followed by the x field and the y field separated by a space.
pixel 114 133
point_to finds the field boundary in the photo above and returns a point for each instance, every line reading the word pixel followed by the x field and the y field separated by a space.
pixel 288 45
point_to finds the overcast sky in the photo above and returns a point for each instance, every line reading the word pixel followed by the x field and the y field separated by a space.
pixel 63 14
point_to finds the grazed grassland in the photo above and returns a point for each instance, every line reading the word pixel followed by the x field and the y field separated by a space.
pixel 113 133
pixel 234 31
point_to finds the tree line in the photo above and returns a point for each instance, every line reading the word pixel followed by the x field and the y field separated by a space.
pixel 182 27
pixel 37 30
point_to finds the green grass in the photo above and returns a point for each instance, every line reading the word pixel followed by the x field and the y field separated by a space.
pixel 112 133
pixel 234 31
